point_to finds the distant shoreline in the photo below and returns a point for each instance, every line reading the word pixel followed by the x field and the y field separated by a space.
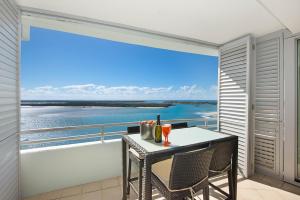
pixel 116 103
pixel 200 102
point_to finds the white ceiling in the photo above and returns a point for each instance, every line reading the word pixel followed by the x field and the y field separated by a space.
pixel 215 21
pixel 286 11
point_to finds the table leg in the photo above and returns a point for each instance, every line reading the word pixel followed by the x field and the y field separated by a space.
pixel 235 170
pixel 124 173
pixel 147 185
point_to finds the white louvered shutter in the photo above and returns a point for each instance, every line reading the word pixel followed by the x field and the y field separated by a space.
pixel 9 100
pixel 234 89
pixel 268 103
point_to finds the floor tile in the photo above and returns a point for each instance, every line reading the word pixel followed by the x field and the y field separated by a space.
pixel 36 197
pixel 214 195
pixel 52 195
pixel 120 180
pixel 249 194
pixel 108 183
pixel 72 191
pixel 92 195
pixel 288 195
pixel 113 193
pixel 77 197
pixel 270 194
pixel 92 187
pixel 272 182
pixel 291 188
pixel 133 196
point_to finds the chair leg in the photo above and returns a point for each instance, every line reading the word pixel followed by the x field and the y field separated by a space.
pixel 129 176
pixel 140 179
pixel 230 183
pixel 206 193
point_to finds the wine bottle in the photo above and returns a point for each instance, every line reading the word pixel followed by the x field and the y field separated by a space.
pixel 158 131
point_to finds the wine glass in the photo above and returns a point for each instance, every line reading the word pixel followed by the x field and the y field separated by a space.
pixel 166 129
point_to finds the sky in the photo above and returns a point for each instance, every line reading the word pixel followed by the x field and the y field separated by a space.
pixel 62 66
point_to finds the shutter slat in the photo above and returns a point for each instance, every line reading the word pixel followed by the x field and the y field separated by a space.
pixel 264 53
pixel 234 52
pixel 237 69
pixel 235 49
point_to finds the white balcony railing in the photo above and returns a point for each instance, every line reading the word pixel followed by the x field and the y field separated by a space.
pixel 208 123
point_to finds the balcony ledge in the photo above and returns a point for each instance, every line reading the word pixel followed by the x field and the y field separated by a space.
pixel 51 168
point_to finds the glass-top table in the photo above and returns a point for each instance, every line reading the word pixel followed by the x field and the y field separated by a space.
pixel 179 137
pixel 182 140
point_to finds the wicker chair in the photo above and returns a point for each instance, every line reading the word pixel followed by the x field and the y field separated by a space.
pixel 179 125
pixel 135 157
pixel 133 129
pixel 183 175
pixel 221 163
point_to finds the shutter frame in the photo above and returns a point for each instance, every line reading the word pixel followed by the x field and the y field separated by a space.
pixel 237 101
pixel 9 100
pixel 268 100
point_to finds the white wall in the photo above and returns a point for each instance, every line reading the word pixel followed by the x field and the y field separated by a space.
pixel 51 168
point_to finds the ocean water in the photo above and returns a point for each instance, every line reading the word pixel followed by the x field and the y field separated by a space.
pixel 36 117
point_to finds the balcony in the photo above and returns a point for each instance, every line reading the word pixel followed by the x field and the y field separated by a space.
pixel 77 171
pixel 257 43
pixel 46 162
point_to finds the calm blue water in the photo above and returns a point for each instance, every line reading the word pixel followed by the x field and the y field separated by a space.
pixel 46 117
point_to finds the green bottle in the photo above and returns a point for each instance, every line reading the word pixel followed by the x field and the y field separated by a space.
pixel 158 131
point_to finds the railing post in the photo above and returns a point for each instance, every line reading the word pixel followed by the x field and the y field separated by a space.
pixel 102 134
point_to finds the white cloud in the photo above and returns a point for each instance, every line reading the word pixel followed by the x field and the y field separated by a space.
pixel 102 92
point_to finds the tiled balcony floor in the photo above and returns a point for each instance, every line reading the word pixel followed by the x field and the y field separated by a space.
pixel 256 188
